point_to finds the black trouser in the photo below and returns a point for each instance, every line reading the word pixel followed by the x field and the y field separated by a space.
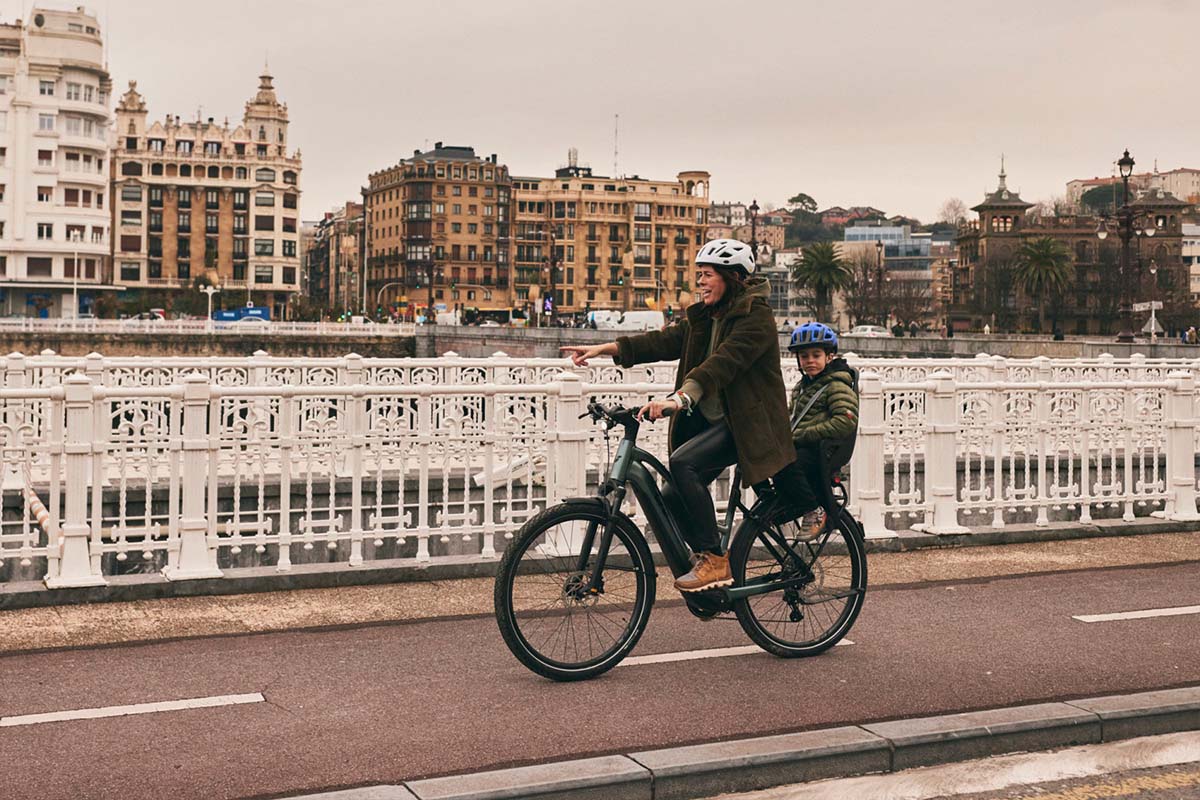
pixel 694 465
pixel 798 483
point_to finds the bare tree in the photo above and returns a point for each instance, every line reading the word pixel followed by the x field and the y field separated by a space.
pixel 953 211
pixel 994 293
pixel 908 300
pixel 862 301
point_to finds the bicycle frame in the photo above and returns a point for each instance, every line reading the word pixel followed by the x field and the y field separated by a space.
pixel 632 467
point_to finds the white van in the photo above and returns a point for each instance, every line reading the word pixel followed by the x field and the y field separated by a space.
pixel 642 321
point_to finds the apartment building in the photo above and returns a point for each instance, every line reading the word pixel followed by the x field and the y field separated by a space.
pixel 616 243
pixel 54 127
pixel 197 201
pixel 438 233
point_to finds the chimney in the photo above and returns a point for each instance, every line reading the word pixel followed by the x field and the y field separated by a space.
pixel 416 152
pixel 493 158
pixel 437 145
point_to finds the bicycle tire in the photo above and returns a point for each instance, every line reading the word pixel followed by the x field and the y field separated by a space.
pixel 534 584
pixel 827 605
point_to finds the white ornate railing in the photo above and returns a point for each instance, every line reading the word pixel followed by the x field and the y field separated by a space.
pixel 357 460
pixel 202 327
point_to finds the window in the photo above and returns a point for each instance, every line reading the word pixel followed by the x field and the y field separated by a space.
pixel 264 247
pixel 131 243
pixel 45 230
pixel 156 220
pixel 289 247
pixel 264 198
pixel 289 177
pixel 45 194
pixel 265 175
pixel 183 247
pixel 156 196
pixel 212 148
pixel 184 270
pixel 185 171
pixel 46 88
pixel 131 271
pixel 211 222
pixel 239 198
pixel 456 227
pixel 289 201
pixel 241 173
pixel 4 155
pixel 156 145
pixel 1 192
pixel 39 267
pixel 289 224
pixel 239 223
pixel 185 221
pixel 212 198
pixel 75 127
pixel 264 273
pixel 131 217
pixel 184 198
pixel 131 168
pixel 89 93
pixel 289 275
pixel 456 208
pixel 264 223
pixel 183 146
pixel 239 248
pixel 456 191
pixel 45 122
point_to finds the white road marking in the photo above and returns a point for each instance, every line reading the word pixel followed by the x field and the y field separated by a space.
pixel 692 655
pixel 1151 612
pixel 140 708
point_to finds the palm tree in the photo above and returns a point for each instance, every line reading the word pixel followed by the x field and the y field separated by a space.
pixel 1043 269
pixel 822 270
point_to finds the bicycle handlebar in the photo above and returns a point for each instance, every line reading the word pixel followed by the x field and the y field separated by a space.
pixel 615 415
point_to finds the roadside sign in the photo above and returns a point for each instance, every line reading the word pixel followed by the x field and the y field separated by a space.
pixel 1155 305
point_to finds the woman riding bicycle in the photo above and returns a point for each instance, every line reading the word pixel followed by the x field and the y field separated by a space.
pixel 729 380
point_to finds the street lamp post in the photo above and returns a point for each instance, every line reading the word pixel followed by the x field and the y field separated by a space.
pixel 382 289
pixel 209 290
pixel 1153 299
pixel 753 209
pixel 879 280
pixel 1126 220
pixel 76 238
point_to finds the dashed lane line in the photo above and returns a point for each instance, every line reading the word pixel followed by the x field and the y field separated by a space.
pixel 692 655
pixel 139 708
pixel 1150 612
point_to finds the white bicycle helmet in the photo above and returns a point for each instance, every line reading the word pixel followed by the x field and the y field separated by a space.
pixel 727 253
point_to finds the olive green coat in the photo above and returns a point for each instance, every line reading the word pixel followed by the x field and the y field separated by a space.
pixel 834 415
pixel 743 368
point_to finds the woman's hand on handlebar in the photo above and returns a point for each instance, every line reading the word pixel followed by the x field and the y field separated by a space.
pixel 580 355
pixel 657 409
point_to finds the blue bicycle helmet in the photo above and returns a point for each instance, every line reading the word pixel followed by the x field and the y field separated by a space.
pixel 814 334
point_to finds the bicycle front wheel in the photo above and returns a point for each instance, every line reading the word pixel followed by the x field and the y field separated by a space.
pixel 552 617
pixel 825 580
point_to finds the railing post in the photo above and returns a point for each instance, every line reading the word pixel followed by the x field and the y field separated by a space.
pixel 197 559
pixel 76 567
pixel 572 436
pixel 941 457
pixel 14 378
pixel 94 367
pixel 1181 447
pixel 1044 374
pixel 358 444
pixel 866 465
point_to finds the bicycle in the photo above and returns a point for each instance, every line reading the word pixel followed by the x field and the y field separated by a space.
pixel 576 584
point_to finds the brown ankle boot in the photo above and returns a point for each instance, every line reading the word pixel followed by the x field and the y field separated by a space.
pixel 710 571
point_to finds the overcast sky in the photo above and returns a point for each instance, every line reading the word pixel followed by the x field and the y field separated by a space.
pixel 896 105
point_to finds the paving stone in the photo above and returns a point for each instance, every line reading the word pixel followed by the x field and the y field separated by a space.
pixel 976 734
pixel 748 764
pixel 1127 716
pixel 604 778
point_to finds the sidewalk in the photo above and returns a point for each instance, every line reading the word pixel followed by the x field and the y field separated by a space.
pixel 167 618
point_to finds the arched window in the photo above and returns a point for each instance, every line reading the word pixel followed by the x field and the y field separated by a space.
pixel 132 128
pixel 262 133
pixel 185 170
pixel 131 168
pixel 156 169
pixel 241 173
pixel 289 177
pixel 264 174
pixel 214 172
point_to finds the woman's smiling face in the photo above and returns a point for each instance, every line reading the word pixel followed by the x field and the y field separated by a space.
pixel 710 285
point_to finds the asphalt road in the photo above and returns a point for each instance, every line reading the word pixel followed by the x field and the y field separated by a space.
pixel 387 703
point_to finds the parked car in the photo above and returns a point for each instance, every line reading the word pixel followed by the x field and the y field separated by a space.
pixel 250 322
pixel 869 330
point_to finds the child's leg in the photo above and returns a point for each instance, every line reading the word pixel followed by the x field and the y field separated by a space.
pixel 796 483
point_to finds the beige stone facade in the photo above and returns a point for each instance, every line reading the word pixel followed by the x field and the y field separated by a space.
pixel 197 201
pixel 618 243
pixel 444 215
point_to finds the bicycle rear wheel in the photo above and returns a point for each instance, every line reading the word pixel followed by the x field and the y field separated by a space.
pixel 829 583
pixel 549 617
